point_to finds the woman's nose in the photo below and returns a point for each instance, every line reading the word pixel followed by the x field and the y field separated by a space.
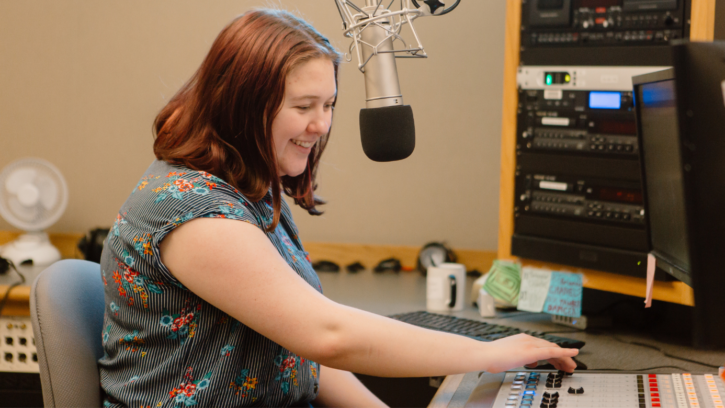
pixel 319 126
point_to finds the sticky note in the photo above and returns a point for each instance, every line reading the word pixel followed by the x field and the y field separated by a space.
pixel 651 266
pixel 565 294
pixel 534 289
pixel 503 282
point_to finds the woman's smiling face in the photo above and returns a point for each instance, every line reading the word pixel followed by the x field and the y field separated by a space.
pixel 305 115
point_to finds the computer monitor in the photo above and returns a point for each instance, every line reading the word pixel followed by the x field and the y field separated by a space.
pixel 681 123
pixel 661 163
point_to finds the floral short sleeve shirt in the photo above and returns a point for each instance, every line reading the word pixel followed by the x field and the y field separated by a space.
pixel 166 347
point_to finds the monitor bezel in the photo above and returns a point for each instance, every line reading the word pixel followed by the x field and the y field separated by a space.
pixel 664 261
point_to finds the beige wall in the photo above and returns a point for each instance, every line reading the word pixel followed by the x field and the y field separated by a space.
pixel 81 82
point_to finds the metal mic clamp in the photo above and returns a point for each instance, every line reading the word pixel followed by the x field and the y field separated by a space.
pixel 435 5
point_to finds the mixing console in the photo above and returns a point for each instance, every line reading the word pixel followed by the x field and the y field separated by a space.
pixel 543 389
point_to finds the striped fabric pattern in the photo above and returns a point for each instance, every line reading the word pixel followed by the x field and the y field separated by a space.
pixel 165 346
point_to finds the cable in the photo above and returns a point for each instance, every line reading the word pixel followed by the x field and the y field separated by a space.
pixel 601 311
pixel 377 7
pixel 510 315
pixel 637 343
pixel 358 9
pixel 564 331
pixel 666 354
pixel 344 22
pixel 638 369
pixel 634 343
pixel 11 287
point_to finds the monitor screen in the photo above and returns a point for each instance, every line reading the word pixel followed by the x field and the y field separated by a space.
pixel 663 171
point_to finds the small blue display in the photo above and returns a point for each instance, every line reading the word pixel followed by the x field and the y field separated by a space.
pixel 605 100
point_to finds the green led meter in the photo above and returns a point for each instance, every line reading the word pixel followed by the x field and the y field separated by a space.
pixel 556 78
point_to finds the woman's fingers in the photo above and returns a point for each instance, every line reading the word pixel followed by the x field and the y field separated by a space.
pixel 554 352
pixel 565 364
pixel 519 350
pixel 560 358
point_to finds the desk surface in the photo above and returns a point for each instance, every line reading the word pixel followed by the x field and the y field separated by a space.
pixel 390 293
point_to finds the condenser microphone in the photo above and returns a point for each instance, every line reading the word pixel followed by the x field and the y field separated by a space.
pixel 387 129
pixel 387 133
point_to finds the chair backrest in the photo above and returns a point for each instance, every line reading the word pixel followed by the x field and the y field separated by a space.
pixel 66 307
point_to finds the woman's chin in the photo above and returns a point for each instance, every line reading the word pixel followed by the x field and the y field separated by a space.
pixel 294 172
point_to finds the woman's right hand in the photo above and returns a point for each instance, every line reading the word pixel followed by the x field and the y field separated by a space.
pixel 524 350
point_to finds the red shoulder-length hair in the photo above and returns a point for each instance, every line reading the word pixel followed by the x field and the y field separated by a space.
pixel 221 120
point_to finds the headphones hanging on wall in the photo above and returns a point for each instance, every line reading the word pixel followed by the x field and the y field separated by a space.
pixel 434 253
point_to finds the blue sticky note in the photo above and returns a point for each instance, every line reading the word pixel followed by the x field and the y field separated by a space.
pixel 565 295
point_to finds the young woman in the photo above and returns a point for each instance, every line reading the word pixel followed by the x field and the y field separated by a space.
pixel 211 299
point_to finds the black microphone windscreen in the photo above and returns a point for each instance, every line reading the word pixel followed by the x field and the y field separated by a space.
pixel 387 133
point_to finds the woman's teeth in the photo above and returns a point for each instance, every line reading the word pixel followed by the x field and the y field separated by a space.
pixel 303 144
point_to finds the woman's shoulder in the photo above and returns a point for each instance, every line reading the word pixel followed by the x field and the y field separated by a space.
pixel 173 194
pixel 163 180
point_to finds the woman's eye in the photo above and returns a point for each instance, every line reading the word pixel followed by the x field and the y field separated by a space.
pixel 303 107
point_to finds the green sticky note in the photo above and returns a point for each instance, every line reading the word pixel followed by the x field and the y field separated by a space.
pixel 504 282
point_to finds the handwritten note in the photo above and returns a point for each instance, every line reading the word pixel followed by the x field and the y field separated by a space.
pixel 565 295
pixel 534 289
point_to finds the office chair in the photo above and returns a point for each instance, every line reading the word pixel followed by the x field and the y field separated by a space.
pixel 66 307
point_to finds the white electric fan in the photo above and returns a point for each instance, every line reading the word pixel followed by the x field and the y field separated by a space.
pixel 33 196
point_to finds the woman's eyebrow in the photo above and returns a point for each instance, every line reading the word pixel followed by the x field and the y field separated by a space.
pixel 303 97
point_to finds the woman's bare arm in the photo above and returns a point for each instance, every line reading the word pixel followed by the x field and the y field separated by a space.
pixel 342 389
pixel 234 266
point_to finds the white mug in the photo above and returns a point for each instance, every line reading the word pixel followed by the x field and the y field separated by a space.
pixel 446 287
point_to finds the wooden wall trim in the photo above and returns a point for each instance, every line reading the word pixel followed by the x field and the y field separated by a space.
pixel 702 20
pixel 673 292
pixel 508 128
pixel 17 303
pixel 342 254
pixel 370 255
